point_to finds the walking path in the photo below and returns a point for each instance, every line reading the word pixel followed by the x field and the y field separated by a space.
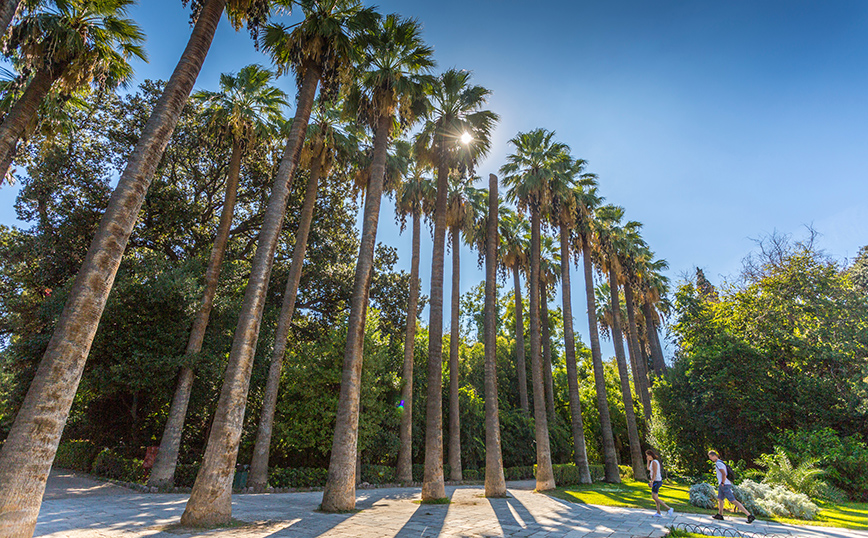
pixel 79 507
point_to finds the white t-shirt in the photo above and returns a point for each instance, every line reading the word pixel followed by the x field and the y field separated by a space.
pixel 720 468
pixel 654 471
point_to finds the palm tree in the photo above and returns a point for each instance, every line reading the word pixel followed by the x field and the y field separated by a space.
pixel 632 255
pixel 413 198
pixel 318 48
pixel 455 109
pixel 566 189
pixel 528 170
pixel 587 201
pixel 484 234
pixel 29 450
pixel 514 230
pixel 459 216
pixel 609 233
pixel 549 274
pixel 73 45
pixel 246 110
pixel 328 141
pixel 390 89
pixel 654 287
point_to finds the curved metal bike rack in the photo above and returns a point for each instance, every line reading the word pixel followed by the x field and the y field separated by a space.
pixel 709 530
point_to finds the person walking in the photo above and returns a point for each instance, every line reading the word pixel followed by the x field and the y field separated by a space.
pixel 655 480
pixel 724 488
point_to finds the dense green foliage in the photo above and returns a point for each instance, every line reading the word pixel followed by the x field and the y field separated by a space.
pixel 782 350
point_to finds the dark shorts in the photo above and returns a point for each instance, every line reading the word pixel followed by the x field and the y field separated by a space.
pixel 724 491
pixel 655 486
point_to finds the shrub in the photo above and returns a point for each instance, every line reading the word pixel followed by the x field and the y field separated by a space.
pixel 76 455
pixel 703 495
pixel 598 472
pixel 626 472
pixel 473 474
pixel 524 472
pixel 779 501
pixel 185 475
pixel 301 477
pixel 843 457
pixel 112 465
pixel 378 474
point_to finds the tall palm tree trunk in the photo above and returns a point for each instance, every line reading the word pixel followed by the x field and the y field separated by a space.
pixel 211 500
pixel 548 377
pixel 454 417
pixel 432 482
pixel 404 472
pixel 163 472
pixel 610 455
pixel 641 374
pixel 632 430
pixel 7 13
pixel 580 454
pixel 29 450
pixel 520 366
pixel 653 341
pixel 495 484
pixel 22 113
pixel 258 478
pixel 545 478
pixel 340 488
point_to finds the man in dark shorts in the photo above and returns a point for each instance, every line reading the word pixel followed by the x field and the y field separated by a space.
pixel 724 488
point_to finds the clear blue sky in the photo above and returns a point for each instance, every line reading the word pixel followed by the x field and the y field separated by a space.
pixel 710 122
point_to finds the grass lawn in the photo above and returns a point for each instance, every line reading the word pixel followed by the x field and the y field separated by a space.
pixel 637 495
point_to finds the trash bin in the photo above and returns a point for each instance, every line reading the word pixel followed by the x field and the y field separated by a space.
pixel 240 479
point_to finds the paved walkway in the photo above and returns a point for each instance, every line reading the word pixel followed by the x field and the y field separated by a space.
pixel 77 507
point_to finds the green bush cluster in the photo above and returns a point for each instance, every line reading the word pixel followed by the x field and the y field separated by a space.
pixel 112 465
pixel 185 474
pixel 76 455
pixel 777 501
pixel 378 474
pixel 626 472
pixel 301 477
pixel 843 458
pixel 520 472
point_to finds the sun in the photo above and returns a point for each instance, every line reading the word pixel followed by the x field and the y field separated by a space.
pixel 466 138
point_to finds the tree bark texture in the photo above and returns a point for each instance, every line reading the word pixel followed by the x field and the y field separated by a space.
pixel 610 455
pixel 7 13
pixel 641 375
pixel 404 472
pixel 258 478
pixel 545 479
pixel 28 453
pixel 433 486
pixel 548 376
pixel 495 484
pixel 15 123
pixel 211 500
pixel 653 341
pixel 163 472
pixel 455 326
pixel 340 488
pixel 580 454
pixel 636 458
pixel 520 365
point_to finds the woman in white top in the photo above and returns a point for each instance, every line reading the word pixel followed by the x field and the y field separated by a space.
pixel 655 472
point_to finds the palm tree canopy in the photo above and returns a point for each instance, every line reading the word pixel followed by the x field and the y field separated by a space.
pixel 79 42
pixel 247 108
pixel 514 231
pixel 415 195
pixel 455 108
pixel 530 168
pixel 391 77
pixel 325 38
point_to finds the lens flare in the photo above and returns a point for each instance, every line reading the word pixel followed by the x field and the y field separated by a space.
pixel 466 138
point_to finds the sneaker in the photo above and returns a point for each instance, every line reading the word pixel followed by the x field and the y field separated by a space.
pixel 717 516
pixel 658 514
pixel 670 511
pixel 750 518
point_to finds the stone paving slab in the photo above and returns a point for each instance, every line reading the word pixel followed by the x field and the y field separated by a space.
pixel 383 513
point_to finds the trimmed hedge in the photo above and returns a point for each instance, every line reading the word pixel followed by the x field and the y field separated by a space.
pixel 525 472
pixel 112 465
pixel 76 455
pixel 301 477
pixel 378 474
